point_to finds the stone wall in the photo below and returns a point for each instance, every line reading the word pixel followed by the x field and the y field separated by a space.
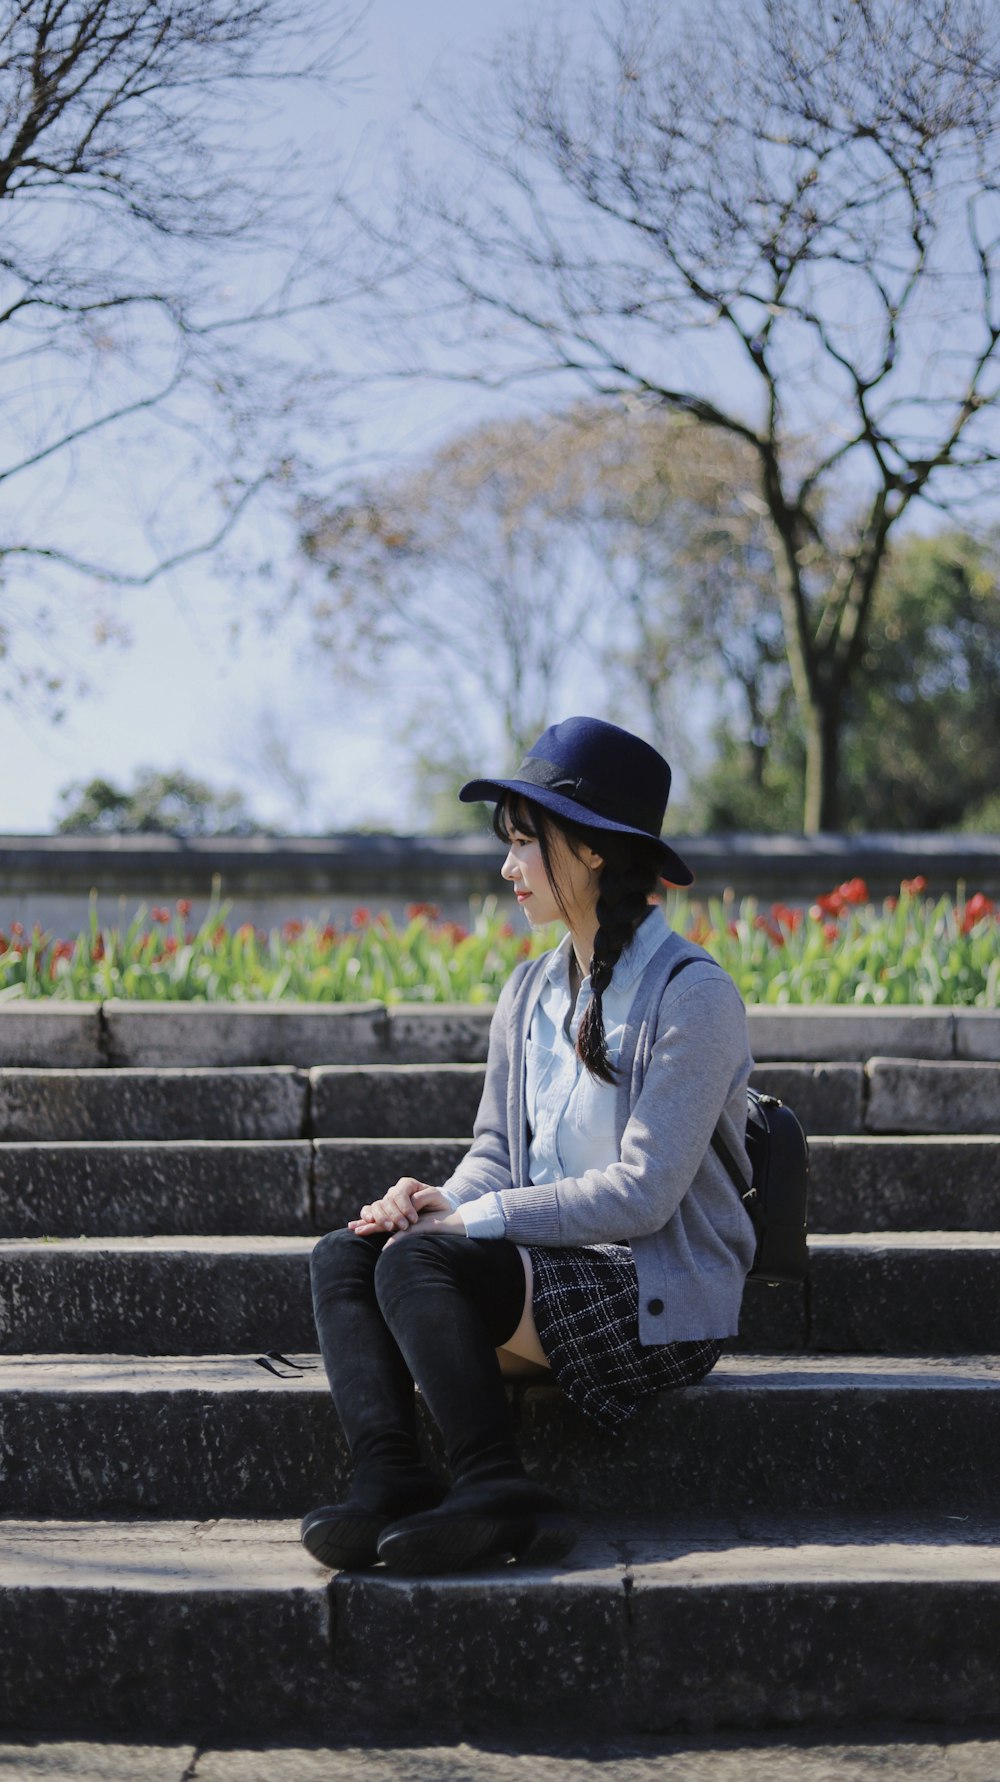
pixel 270 879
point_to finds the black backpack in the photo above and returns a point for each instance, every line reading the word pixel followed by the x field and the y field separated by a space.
pixel 776 1197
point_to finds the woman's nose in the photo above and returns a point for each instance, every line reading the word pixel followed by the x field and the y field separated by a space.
pixel 509 868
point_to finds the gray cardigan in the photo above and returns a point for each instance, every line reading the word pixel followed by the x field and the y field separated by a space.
pixel 684 1064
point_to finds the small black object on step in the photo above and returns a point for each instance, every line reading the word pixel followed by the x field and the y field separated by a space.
pixel 296 1368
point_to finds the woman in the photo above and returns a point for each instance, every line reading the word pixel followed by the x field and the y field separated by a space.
pixel 590 1230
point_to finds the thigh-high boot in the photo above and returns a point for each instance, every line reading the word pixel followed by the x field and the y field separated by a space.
pixel 372 1391
pixel 450 1301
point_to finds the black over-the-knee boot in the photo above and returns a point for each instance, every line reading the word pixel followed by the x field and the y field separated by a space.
pixel 450 1301
pixel 372 1390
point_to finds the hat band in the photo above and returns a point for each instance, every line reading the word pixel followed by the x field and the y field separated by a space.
pixel 540 772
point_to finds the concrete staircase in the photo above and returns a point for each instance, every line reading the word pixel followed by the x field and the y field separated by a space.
pixel 809 1536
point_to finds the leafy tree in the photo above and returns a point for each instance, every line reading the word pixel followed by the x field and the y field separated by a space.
pixel 922 728
pixel 747 785
pixel 157 803
pixel 923 732
pixel 777 220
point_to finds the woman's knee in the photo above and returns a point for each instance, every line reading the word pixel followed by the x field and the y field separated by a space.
pixel 415 1253
pixel 424 1258
pixel 488 1274
pixel 342 1254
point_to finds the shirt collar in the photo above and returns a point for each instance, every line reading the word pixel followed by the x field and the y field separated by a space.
pixel 648 937
pixel 557 964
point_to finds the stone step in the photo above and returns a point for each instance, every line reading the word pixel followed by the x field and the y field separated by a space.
pixel 257 1102
pixel 742 1622
pixel 138 1188
pixel 394 1100
pixel 203 1435
pixel 47 1033
pixel 888 1095
pixel 862 1183
pixel 904 1184
pixel 904 1293
pixel 406 1100
pixel 161 1628
pixel 303 1033
pixel 838 1032
pixel 914 1095
pixel 890 1752
pixel 226 1034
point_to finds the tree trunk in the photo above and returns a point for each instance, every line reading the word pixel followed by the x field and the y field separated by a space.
pixel 822 801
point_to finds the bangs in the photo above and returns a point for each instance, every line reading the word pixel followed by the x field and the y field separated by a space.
pixel 513 816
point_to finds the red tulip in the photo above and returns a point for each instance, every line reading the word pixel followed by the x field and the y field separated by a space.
pixel 786 917
pixel 977 909
pixel 768 927
pixel 854 891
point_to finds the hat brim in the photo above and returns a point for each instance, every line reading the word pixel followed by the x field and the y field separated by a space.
pixel 672 867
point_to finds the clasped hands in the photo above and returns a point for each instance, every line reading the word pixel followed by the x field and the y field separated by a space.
pixel 409 1204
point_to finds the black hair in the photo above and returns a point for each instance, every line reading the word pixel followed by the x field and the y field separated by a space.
pixel 628 878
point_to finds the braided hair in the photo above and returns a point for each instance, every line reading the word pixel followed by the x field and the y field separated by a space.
pixel 626 884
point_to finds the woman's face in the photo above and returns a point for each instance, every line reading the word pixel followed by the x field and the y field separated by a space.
pixel 578 878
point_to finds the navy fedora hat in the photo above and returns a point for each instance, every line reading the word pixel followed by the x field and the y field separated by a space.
pixel 596 774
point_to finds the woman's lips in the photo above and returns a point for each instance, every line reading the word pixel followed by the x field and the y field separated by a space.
pixel 522 896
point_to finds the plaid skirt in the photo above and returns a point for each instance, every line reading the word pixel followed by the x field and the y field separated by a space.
pixel 586 1310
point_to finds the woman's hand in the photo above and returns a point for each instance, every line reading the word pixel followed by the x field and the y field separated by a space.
pixel 399 1208
pixel 433 1219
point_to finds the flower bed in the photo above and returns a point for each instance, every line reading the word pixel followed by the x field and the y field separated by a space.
pixel 908 950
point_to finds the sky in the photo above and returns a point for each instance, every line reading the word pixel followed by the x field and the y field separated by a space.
pixel 182 694
pixel 188 676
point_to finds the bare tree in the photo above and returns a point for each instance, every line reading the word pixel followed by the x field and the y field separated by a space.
pixel 593 553
pixel 469 564
pixel 156 257
pixel 777 219
pixel 683 562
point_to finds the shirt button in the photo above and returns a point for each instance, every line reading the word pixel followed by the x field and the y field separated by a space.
pixel 655 1306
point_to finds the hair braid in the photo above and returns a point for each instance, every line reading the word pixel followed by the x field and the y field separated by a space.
pixel 622 904
pixel 628 879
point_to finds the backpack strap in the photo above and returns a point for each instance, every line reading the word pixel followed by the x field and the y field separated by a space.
pixel 744 1188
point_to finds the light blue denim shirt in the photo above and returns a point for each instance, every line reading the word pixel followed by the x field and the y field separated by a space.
pixel 571 1114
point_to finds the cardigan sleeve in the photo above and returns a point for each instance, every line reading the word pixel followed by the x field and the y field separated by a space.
pixel 699 1058
pixel 486 1166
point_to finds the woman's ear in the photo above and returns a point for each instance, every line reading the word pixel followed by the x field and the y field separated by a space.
pixel 594 861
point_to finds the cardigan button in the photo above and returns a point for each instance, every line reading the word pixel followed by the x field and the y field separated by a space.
pixel 655 1306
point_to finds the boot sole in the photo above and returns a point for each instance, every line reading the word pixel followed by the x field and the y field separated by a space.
pixel 344 1541
pixel 459 1542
